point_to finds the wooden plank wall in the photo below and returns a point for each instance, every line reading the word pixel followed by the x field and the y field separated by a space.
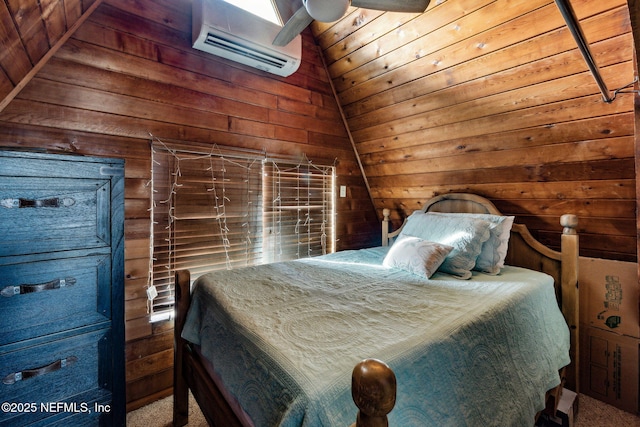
pixel 129 71
pixel 493 97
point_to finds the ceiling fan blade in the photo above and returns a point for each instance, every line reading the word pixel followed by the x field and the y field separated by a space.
pixel 412 6
pixel 294 26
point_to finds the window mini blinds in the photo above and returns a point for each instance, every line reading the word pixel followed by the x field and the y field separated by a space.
pixel 224 209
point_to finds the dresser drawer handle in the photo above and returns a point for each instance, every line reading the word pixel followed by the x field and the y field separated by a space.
pixel 31 373
pixel 9 291
pixel 54 202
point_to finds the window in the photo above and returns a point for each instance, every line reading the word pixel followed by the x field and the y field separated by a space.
pixel 263 8
pixel 224 209
pixel 298 210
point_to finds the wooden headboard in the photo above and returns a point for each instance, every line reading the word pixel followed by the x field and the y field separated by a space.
pixel 525 251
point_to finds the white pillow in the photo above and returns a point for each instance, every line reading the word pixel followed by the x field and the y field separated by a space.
pixel 416 256
pixel 465 234
pixel 494 250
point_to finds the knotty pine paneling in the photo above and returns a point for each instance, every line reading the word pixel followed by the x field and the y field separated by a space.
pixel 129 71
pixel 493 97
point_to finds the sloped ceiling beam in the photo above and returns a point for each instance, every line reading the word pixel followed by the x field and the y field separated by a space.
pixel 574 27
pixel 37 67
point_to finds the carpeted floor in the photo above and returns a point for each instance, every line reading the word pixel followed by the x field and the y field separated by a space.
pixel 593 413
pixel 160 414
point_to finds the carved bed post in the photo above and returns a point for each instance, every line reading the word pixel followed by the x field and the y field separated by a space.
pixel 373 387
pixel 570 293
pixel 385 226
pixel 180 387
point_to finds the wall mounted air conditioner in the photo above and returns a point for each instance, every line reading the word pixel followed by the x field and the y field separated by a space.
pixel 225 30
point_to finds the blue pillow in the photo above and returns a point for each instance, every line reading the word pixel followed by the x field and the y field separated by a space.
pixel 494 250
pixel 465 234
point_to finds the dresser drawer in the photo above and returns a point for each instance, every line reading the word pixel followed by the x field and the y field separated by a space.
pixel 44 297
pixel 69 374
pixel 61 290
pixel 48 215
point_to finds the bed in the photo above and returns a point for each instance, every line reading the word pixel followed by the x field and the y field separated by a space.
pixel 275 345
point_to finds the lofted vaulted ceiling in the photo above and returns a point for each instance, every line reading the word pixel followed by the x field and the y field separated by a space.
pixel 487 96
pixel 30 33
pixel 32 30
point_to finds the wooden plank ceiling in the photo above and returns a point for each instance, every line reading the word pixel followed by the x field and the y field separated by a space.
pixel 30 33
pixel 493 97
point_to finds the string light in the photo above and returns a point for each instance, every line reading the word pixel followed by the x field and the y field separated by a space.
pixel 303 222
pixel 218 166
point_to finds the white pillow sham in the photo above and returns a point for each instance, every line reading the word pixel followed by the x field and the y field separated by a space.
pixel 416 256
pixel 494 250
pixel 466 235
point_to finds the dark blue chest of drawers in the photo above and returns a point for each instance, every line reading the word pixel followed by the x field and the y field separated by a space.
pixel 61 290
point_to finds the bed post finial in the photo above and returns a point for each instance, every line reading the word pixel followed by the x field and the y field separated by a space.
pixel 570 223
pixel 571 294
pixel 373 387
pixel 385 226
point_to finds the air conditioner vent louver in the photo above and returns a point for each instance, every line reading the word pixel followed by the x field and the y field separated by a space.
pixel 246 51
pixel 222 29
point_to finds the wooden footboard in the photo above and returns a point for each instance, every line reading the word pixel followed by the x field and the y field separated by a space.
pixel 180 387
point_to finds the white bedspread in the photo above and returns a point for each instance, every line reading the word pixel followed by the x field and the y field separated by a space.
pixel 285 337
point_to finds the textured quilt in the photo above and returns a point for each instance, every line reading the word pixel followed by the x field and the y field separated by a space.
pixel 285 337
